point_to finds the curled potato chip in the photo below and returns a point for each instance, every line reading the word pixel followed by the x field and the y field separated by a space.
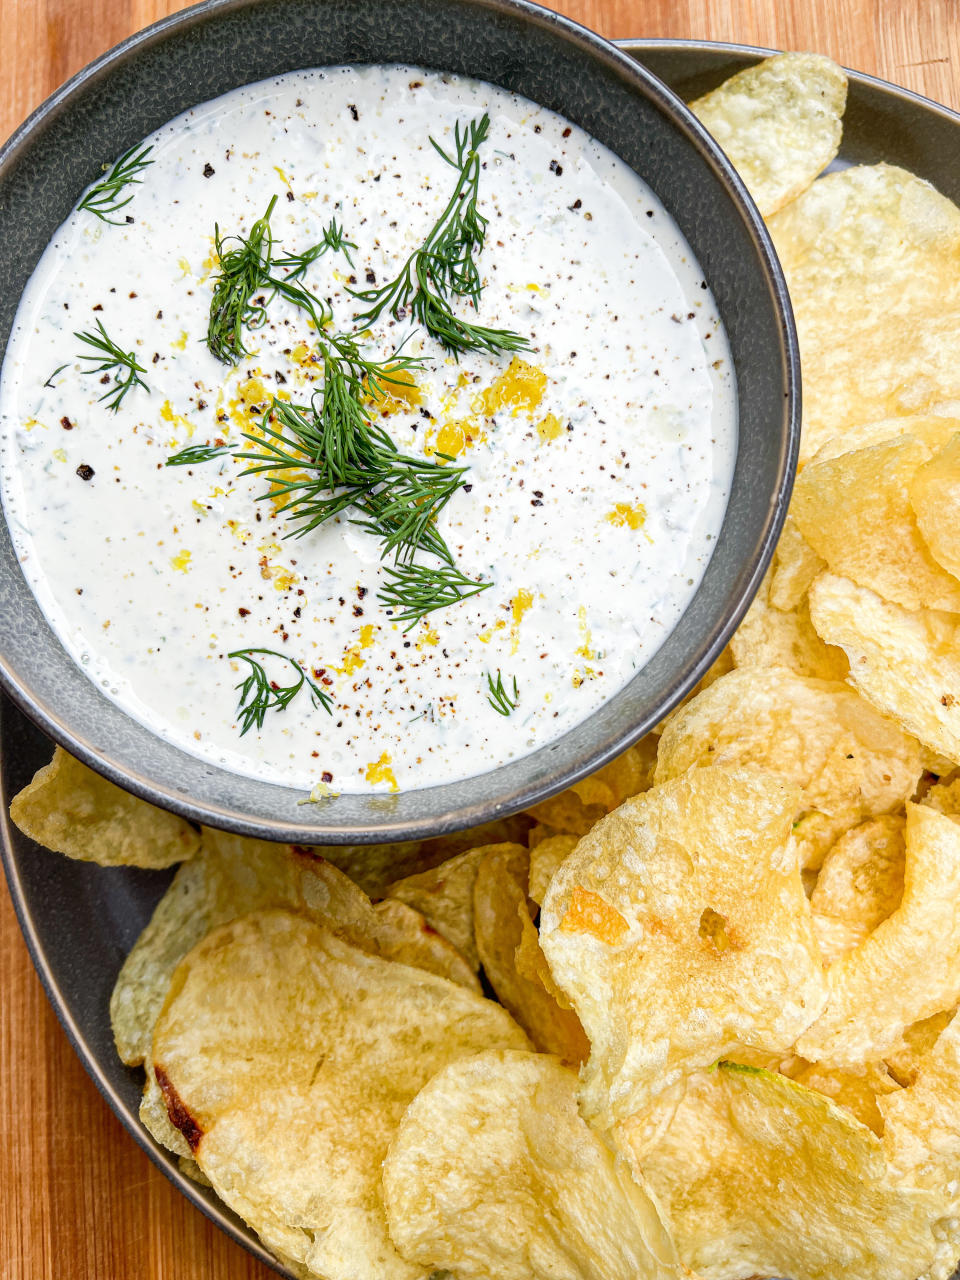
pixel 935 498
pixel 581 805
pixel 679 931
pixel 871 257
pixel 850 762
pixel 287 1058
pixel 70 809
pixel 860 884
pixel 779 122
pixel 922 1122
pixel 795 566
pixel 759 1176
pixel 504 931
pixel 231 876
pixel 909 966
pixel 771 637
pixel 545 858
pixel 444 895
pixel 907 1056
pixel 857 1093
pixel 492 1172
pixel 855 512
pixel 907 664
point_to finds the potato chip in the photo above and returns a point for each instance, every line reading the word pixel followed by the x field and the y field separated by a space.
pixel 503 927
pixel 907 1057
pixel 287 1058
pixel 779 123
pixel 444 895
pixel 909 966
pixel 581 805
pixel 907 664
pixel 70 809
pixel 771 637
pixel 795 565
pixel 872 260
pixel 401 933
pixel 935 498
pixel 860 884
pixel 922 1122
pixel 849 762
pixel 375 867
pixel 679 930
pixel 758 1176
pixel 931 430
pixel 492 1173
pixel 154 1117
pixel 545 858
pixel 232 876
pixel 854 510
pixel 854 1092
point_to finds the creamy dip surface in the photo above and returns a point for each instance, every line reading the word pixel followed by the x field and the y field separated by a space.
pixel 600 459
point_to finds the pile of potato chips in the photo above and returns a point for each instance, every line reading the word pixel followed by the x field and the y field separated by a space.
pixel 725 967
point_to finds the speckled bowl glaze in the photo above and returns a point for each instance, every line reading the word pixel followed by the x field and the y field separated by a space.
pixel 205 51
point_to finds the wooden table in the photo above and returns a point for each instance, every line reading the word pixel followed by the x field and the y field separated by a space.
pixel 78 1198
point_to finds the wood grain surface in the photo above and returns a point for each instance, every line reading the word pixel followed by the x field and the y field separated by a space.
pixel 78 1198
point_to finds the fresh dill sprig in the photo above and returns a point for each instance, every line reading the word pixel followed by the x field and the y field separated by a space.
pixel 59 369
pixel 107 357
pixel 416 590
pixel 334 240
pixel 445 264
pixel 245 286
pixel 259 694
pixel 105 197
pixel 501 701
pixel 194 454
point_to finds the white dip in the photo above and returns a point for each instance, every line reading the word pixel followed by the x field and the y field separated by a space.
pixel 599 467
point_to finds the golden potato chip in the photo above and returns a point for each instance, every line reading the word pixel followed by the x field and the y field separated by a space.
pixel 154 1117
pixel 935 498
pixel 492 1173
pixel 771 637
pixel 287 1058
pixel 70 809
pixel 231 876
pixel 872 260
pixel 375 867
pixel 855 512
pixel 795 565
pixel 679 931
pixel 907 664
pixel 906 1058
pixel 503 924
pixel 856 1093
pixel 849 762
pixel 403 934
pixel 545 858
pixel 922 1122
pixel 758 1176
pixel 444 895
pixel 581 805
pixel 860 884
pixel 909 966
pixel 931 430
pixel 779 123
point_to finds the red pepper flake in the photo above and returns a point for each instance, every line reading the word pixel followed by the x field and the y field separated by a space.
pixel 85 471
pixel 66 424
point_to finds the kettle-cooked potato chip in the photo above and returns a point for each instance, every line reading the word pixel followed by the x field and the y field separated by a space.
pixel 795 566
pixel 922 1122
pixel 70 809
pixel 860 884
pixel 906 1058
pixel 909 966
pixel 545 858
pixel 444 895
pixel 872 260
pixel 504 932
pixel 857 1093
pixel 581 805
pixel 935 498
pixel 772 637
pixel 779 123
pixel 287 1058
pixel 231 876
pixel 679 930
pixel 492 1173
pixel 850 762
pixel 758 1176
pixel 907 664
pixel 855 512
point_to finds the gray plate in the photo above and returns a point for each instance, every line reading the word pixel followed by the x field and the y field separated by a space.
pixel 79 921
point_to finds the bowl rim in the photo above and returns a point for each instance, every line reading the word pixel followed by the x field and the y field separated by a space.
pixel 387 829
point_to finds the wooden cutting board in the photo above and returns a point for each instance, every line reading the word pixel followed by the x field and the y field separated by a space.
pixel 78 1199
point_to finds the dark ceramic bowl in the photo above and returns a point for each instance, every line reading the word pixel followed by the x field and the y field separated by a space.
pixel 205 51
